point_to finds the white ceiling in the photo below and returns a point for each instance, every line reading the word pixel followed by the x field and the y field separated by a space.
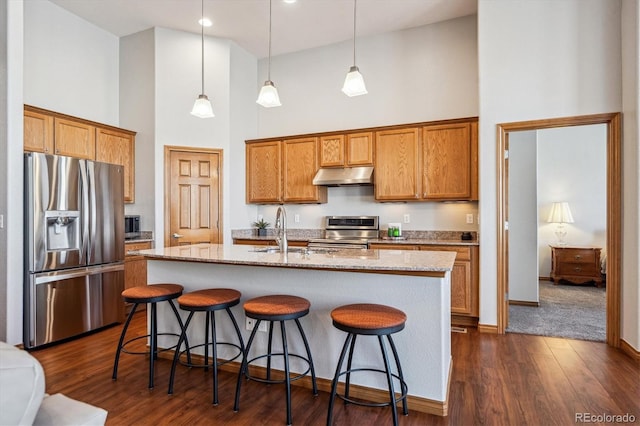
pixel 298 26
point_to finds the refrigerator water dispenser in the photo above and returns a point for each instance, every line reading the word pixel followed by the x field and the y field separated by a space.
pixel 63 230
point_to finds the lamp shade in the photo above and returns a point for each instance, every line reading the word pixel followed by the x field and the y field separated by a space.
pixel 560 213
pixel 354 83
pixel 268 96
pixel 202 107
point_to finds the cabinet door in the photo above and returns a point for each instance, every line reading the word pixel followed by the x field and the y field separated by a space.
pixel 75 139
pixel 332 150
pixel 446 162
pixel 360 149
pixel 396 164
pixel 118 148
pixel 38 132
pixel 299 166
pixel 461 288
pixel 264 177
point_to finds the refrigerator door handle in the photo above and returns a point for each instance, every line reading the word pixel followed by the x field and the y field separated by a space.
pixel 47 277
pixel 84 247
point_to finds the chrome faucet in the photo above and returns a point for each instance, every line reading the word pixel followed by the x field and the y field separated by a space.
pixel 281 229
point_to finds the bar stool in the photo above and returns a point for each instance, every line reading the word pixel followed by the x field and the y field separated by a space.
pixel 369 320
pixel 152 294
pixel 276 308
pixel 208 301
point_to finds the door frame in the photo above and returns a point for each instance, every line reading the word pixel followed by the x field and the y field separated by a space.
pixel 614 212
pixel 168 149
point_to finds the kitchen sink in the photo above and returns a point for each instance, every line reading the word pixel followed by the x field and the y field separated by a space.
pixel 302 250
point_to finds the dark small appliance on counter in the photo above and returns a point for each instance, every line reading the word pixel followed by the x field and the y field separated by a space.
pixel 131 226
pixel 466 236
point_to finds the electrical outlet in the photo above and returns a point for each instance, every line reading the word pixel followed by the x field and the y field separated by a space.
pixel 407 218
pixel 250 322
pixel 296 218
pixel 1 221
pixel 469 217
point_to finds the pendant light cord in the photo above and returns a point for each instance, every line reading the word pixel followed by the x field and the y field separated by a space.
pixel 269 69
pixel 202 44
pixel 354 32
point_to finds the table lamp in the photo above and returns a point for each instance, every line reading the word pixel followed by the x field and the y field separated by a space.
pixel 560 213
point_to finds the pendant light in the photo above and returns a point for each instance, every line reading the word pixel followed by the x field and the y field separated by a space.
pixel 202 107
pixel 354 83
pixel 268 96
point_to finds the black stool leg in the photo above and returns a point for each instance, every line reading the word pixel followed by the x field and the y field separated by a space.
pixel 405 410
pixel 287 377
pixel 214 363
pixel 114 376
pixel 392 394
pixel 334 383
pixel 347 383
pixel 153 348
pixel 179 319
pixel 206 341
pixel 306 345
pixel 235 325
pixel 243 368
pixel 176 355
pixel 268 347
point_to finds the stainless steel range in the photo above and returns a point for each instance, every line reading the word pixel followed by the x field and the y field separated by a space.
pixel 347 232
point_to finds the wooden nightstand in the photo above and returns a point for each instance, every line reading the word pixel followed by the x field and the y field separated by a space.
pixel 577 265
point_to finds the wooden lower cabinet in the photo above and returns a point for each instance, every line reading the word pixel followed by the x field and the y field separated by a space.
pixel 252 242
pixel 135 269
pixel 464 279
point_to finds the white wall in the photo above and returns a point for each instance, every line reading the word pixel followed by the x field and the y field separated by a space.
pixel 421 74
pixel 70 65
pixel 572 167
pixel 523 217
pixel 538 60
pixel 631 161
pixel 11 41
pixel 137 112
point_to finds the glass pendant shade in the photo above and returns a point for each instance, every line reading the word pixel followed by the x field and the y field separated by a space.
pixel 354 83
pixel 268 96
pixel 202 107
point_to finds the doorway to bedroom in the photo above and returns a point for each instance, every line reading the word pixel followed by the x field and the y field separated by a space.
pixel 557 209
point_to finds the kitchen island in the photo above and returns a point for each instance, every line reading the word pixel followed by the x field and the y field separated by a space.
pixel 415 281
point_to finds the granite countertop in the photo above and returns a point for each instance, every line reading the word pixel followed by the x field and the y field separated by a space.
pixel 452 238
pixel 354 260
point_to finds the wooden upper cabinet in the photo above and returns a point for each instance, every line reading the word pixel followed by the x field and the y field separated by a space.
pixel 299 166
pixel 74 138
pixel 38 132
pixel 446 162
pixel 352 149
pixel 118 147
pixel 397 164
pixel 332 151
pixel 263 172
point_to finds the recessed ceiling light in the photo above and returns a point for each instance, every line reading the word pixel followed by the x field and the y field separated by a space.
pixel 205 22
pixel 289 1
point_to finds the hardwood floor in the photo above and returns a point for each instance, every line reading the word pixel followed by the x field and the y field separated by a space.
pixel 511 379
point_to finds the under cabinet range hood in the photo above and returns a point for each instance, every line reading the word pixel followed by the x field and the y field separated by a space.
pixel 344 176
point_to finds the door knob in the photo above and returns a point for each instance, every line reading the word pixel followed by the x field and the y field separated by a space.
pixel 176 235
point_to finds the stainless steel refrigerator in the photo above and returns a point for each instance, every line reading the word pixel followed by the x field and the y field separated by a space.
pixel 74 247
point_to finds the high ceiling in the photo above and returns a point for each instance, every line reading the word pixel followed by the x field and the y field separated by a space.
pixel 297 26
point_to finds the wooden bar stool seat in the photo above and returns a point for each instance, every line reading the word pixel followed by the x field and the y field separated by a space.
pixel 276 308
pixel 151 294
pixel 370 320
pixel 208 301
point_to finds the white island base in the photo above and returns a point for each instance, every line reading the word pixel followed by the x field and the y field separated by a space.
pixel 424 346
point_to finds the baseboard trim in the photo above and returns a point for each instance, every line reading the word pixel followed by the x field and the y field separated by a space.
pixel 415 403
pixel 629 350
pixel 489 329
pixel 524 303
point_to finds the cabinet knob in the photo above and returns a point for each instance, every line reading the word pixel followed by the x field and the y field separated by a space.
pixel 578 257
pixel 176 235
pixel 577 269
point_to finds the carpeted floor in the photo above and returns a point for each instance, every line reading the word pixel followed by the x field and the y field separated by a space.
pixel 566 310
